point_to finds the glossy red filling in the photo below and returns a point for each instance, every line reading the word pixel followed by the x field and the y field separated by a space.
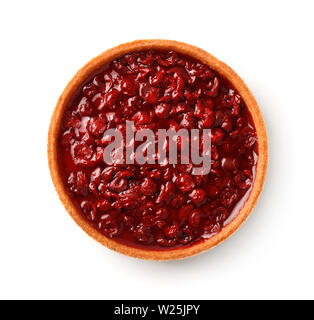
pixel 158 206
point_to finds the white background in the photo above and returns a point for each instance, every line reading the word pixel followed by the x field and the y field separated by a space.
pixel 43 254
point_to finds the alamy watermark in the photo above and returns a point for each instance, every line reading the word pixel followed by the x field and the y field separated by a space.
pixel 122 150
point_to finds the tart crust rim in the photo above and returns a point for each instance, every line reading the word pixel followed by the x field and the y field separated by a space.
pixel 92 67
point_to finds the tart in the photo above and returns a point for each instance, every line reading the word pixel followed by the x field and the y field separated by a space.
pixel 157 211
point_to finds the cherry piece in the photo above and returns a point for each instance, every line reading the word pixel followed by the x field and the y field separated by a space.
pixel 108 226
pixel 129 86
pixel 171 231
pixel 112 97
pixel 148 187
pixel 198 196
pixel 150 94
pixel 162 110
pixel 195 218
pixel 89 210
pixel 185 182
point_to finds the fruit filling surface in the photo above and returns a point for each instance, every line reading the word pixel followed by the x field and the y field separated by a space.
pixel 157 206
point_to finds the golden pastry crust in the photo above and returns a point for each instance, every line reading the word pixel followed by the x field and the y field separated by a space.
pixel 91 68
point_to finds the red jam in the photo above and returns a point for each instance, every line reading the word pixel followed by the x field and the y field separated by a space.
pixel 154 206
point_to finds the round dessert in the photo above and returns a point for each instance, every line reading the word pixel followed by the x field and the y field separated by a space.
pixel 157 210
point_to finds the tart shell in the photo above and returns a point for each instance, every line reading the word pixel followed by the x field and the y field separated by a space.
pixel 93 67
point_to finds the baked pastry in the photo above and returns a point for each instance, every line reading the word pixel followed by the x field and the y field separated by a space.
pixel 157 211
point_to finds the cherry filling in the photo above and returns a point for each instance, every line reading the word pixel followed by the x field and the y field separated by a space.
pixel 156 206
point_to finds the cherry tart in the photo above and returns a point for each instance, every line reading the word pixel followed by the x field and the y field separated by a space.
pixel 157 211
